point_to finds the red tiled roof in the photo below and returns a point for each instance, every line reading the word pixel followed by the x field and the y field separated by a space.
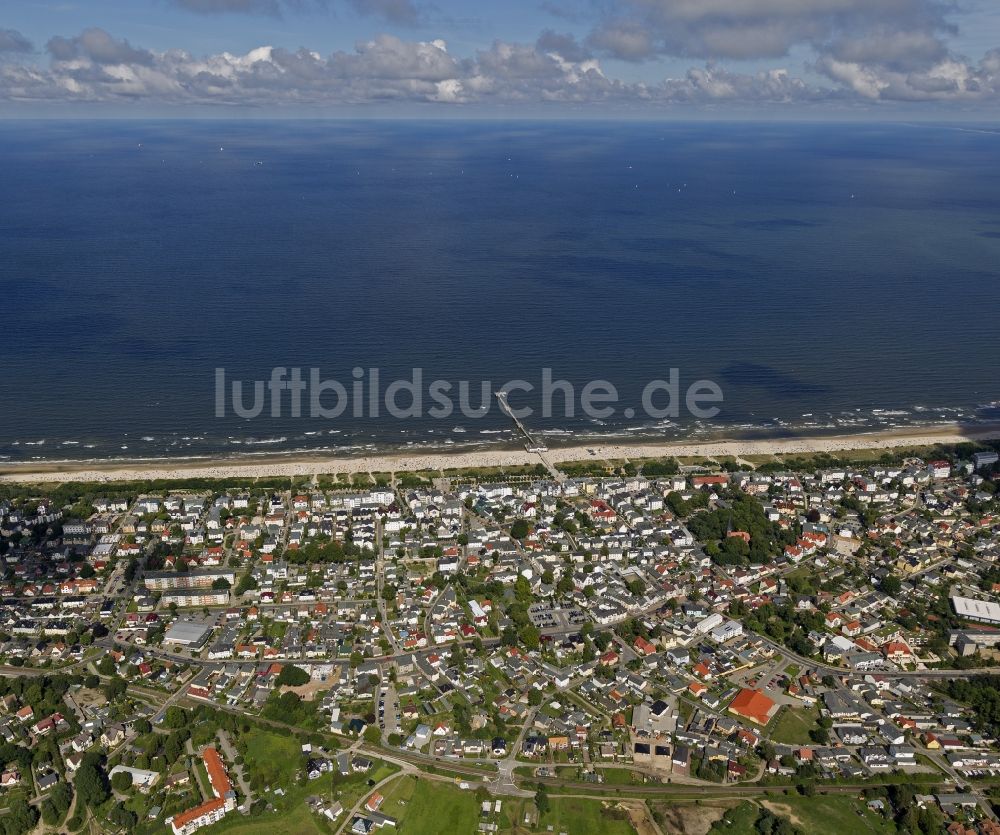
pixel 184 818
pixel 752 704
pixel 216 772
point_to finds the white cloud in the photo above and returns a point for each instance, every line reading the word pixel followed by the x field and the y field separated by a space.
pixel 877 50
pixel 946 80
pixel 96 67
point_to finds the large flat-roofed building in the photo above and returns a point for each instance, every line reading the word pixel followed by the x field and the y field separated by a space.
pixel 199 578
pixel 982 611
pixel 979 459
pixel 195 597
pixel 187 633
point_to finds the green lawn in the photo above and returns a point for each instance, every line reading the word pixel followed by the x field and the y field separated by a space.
pixel 381 771
pixel 429 807
pixel 291 816
pixel 297 821
pixel 583 817
pixel 620 776
pixel 830 814
pixel 818 815
pixel 273 756
pixel 793 725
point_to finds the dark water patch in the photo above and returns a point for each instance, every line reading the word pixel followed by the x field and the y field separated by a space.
pixel 776 224
pixel 771 380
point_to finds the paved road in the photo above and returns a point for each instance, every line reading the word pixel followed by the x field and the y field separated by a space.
pixel 504 783
pixel 231 754
pixel 824 668
pixel 364 798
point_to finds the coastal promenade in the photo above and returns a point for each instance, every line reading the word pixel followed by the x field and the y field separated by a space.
pixel 304 464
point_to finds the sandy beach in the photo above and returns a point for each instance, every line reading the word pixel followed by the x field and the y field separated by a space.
pixel 299 464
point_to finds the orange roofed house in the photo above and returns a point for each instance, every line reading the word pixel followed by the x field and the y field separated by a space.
pixel 753 705
pixel 222 787
pixel 211 811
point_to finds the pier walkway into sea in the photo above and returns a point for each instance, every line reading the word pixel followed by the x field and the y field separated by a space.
pixel 530 444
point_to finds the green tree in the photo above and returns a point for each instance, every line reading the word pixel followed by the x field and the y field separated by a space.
pixel 529 636
pixel 123 817
pixel 292 676
pixel 121 782
pixel 175 717
pixel 246 583
pixel 90 782
pixel 115 689
pixel 891 585
pixel 520 529
pixel 20 817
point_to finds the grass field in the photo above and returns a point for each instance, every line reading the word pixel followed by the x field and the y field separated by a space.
pixel 793 725
pixel 621 776
pixel 819 815
pixel 577 816
pixel 428 807
pixel 830 814
pixel 296 821
pixel 740 819
pixel 290 816
pixel 274 757
pixel 351 788
pixel 381 771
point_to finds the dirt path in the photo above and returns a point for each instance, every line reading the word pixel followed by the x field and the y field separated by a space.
pixel 640 818
pixel 783 810
pixel 308 692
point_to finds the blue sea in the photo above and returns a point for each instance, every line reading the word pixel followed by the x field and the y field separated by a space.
pixel 827 277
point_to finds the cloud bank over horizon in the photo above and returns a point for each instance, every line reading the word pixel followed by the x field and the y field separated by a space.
pixel 789 53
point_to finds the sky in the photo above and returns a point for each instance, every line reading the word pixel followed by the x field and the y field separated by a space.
pixel 858 59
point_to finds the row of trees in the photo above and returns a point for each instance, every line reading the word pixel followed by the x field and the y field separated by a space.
pixel 325 550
